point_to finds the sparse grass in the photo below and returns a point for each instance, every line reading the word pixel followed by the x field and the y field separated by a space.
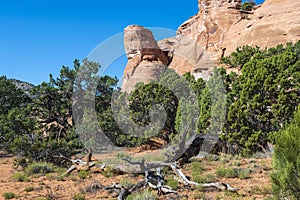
pixel 172 182
pixel 244 174
pixel 9 195
pixel 262 190
pixel 83 174
pixel 233 172
pixel 152 157
pixel 259 155
pixel 51 176
pixel 42 198
pixel 197 167
pixel 200 195
pixel 73 177
pixel 232 195
pixel 41 183
pixel 79 196
pixel 20 176
pixel 29 189
pixel 39 168
pixel 226 172
pixel 200 178
pixel 237 163
pixel 109 172
pixel 146 194
pixel 225 159
pixel 127 183
pixel 196 174
pixel 60 178
pixel 123 155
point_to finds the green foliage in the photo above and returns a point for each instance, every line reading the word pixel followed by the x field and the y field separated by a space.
pixel 248 6
pixel 16 123
pixel 226 172
pixel 145 195
pixel 11 96
pixel 172 183
pixel 79 197
pixel 147 95
pixel 286 161
pixel 263 98
pixel 108 172
pixel 9 195
pixel 241 56
pixel 83 174
pixel 39 168
pixel 233 172
pixel 197 167
pixel 29 189
pixel 20 176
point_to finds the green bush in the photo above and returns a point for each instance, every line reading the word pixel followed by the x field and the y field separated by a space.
pixel 145 195
pixel 233 173
pixel 83 174
pixel 39 168
pixel 227 172
pixel 79 197
pixel 9 195
pixel 20 176
pixel 286 161
pixel 29 189
pixel 109 172
pixel 247 6
pixel 244 174
pixel 172 182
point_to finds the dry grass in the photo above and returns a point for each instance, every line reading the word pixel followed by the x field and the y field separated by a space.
pixel 252 179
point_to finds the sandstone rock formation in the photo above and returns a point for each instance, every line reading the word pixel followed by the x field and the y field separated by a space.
pixel 275 22
pixel 216 30
pixel 146 61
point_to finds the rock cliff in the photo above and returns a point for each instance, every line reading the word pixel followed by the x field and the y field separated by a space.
pixel 219 27
pixel 146 61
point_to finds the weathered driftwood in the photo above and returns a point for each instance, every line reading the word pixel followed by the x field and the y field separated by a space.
pixel 78 163
pixel 186 181
pixel 153 179
pixel 180 175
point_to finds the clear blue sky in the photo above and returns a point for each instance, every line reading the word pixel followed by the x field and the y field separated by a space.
pixel 37 37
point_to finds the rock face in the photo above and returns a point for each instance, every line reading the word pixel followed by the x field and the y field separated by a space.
pixel 146 61
pixel 275 22
pixel 216 30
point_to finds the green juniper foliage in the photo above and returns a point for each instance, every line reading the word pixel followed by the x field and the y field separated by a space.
pixel 286 161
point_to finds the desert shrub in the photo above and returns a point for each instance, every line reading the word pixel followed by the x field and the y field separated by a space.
pixel 39 168
pixel 226 172
pixel 286 161
pixel 83 174
pixel 248 6
pixel 9 195
pixel 109 172
pixel 233 172
pixel 145 195
pixel 79 197
pixel 172 182
pixel 20 176
pixel 19 162
pixel 244 174
pixel 127 183
pixel 197 167
pixel 29 189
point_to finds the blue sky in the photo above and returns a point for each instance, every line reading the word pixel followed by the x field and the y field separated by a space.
pixel 37 37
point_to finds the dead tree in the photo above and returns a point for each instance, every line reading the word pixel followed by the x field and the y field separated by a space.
pixel 79 164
